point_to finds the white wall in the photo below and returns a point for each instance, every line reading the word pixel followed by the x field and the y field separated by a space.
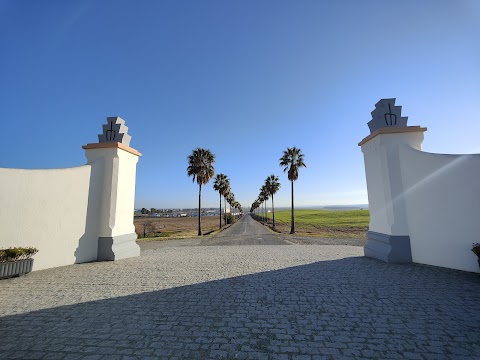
pixel 52 210
pixel 382 169
pixel 442 200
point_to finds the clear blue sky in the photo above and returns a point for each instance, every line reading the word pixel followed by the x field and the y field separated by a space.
pixel 245 79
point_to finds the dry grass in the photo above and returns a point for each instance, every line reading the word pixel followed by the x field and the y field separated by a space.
pixel 175 227
pixel 320 223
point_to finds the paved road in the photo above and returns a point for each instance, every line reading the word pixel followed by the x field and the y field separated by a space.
pixel 246 231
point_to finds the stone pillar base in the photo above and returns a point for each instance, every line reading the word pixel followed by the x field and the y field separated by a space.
pixel 117 247
pixel 388 248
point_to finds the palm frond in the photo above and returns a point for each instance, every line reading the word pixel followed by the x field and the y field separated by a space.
pixel 291 161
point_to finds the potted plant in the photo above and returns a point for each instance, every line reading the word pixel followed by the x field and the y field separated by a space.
pixel 476 251
pixel 16 261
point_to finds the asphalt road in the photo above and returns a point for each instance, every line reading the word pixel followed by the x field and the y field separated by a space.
pixel 245 231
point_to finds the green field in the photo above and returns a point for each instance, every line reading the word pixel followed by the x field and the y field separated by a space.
pixel 330 223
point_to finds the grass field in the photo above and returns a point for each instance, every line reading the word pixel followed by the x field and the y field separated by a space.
pixel 324 223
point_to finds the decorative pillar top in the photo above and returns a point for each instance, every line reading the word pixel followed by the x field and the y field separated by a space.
pixel 115 135
pixel 115 131
pixel 386 114
pixel 387 119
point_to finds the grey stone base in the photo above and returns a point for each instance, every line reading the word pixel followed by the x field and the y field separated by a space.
pixel 388 248
pixel 117 247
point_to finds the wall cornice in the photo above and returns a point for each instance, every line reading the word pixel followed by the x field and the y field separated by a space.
pixel 104 145
pixel 392 130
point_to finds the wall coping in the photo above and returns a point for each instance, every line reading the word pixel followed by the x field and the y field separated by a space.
pixel 392 130
pixel 118 145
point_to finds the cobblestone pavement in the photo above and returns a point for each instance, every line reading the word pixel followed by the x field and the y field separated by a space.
pixel 311 240
pixel 242 302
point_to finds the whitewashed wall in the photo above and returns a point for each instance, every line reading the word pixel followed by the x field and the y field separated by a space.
pixel 78 214
pixel 442 200
pixel 52 211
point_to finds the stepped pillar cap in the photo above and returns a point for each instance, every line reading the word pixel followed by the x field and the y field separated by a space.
pixel 115 130
pixel 386 115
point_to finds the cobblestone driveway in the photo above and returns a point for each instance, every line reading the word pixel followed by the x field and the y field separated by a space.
pixel 237 302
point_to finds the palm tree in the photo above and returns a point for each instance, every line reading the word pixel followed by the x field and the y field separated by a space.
pixel 254 207
pixel 230 197
pixel 292 160
pixel 260 205
pixel 226 194
pixel 232 204
pixel 220 185
pixel 238 206
pixel 264 197
pixel 200 167
pixel 272 185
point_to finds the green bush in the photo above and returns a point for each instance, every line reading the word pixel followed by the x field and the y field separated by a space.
pixel 230 219
pixel 17 253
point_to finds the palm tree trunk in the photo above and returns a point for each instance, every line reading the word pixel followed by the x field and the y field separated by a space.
pixel 292 228
pixel 199 209
pixel 220 213
pixel 265 212
pixel 225 203
pixel 273 213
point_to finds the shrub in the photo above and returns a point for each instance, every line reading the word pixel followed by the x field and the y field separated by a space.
pixel 230 219
pixel 17 253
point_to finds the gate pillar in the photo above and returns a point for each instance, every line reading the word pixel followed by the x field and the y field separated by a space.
pixel 388 235
pixel 113 164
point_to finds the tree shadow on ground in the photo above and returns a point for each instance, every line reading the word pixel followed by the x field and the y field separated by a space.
pixel 353 307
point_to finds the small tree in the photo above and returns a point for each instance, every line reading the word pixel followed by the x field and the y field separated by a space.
pixel 147 228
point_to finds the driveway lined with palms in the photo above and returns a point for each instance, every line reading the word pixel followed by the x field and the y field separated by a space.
pixel 246 231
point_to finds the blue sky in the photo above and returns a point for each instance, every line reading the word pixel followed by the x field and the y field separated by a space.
pixel 245 79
